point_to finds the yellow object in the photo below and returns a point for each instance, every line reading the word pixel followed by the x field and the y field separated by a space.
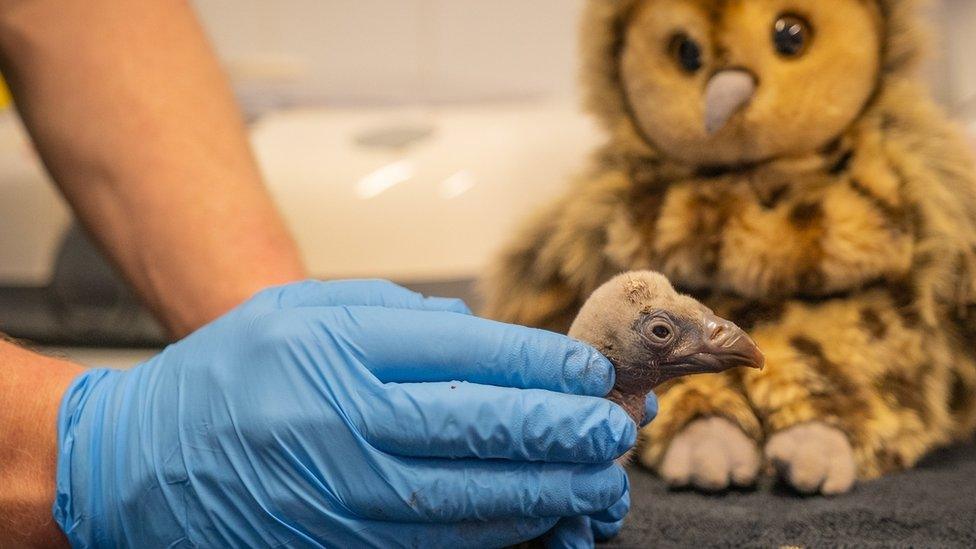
pixel 6 99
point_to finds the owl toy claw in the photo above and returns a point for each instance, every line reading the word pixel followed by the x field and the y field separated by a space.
pixel 814 458
pixel 711 454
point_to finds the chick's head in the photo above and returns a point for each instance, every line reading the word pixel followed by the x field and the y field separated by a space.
pixel 654 334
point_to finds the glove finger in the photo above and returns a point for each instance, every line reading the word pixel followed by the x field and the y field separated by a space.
pixel 447 491
pixel 616 512
pixel 463 420
pixel 418 347
pixel 570 533
pixel 605 531
pixel 451 536
pixel 354 293
pixel 650 410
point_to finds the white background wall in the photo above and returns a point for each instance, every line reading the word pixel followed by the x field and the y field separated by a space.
pixel 382 51
pixel 368 51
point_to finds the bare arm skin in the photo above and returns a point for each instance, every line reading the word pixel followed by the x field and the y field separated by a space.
pixel 138 127
pixel 137 124
pixel 30 390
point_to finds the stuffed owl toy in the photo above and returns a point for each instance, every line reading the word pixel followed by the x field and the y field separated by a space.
pixel 779 161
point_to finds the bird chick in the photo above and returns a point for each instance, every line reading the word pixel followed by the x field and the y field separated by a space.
pixel 653 334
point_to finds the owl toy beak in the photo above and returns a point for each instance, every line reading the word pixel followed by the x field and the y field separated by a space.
pixel 728 92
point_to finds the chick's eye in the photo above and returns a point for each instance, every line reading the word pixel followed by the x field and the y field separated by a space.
pixel 791 35
pixel 687 52
pixel 661 332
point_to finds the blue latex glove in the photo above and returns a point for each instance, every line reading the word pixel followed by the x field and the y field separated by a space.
pixel 342 415
pixel 582 531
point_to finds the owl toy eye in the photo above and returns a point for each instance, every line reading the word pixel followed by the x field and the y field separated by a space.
pixel 687 52
pixel 791 35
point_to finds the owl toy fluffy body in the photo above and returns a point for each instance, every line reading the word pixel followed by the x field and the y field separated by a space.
pixel 778 160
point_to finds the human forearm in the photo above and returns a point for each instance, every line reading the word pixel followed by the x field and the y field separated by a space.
pixel 137 124
pixel 31 387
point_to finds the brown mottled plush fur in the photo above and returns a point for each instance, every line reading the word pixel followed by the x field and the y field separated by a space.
pixel 853 264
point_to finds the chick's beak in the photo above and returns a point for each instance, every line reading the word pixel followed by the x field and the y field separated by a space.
pixel 716 346
pixel 729 345
pixel 727 92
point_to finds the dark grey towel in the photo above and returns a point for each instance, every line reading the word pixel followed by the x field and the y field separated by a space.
pixel 933 505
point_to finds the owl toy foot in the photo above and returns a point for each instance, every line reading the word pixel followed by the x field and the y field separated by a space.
pixel 711 454
pixel 813 458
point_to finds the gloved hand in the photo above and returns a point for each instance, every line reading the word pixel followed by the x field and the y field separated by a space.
pixel 583 532
pixel 340 415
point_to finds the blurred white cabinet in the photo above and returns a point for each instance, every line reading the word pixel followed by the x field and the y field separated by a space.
pixel 418 195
